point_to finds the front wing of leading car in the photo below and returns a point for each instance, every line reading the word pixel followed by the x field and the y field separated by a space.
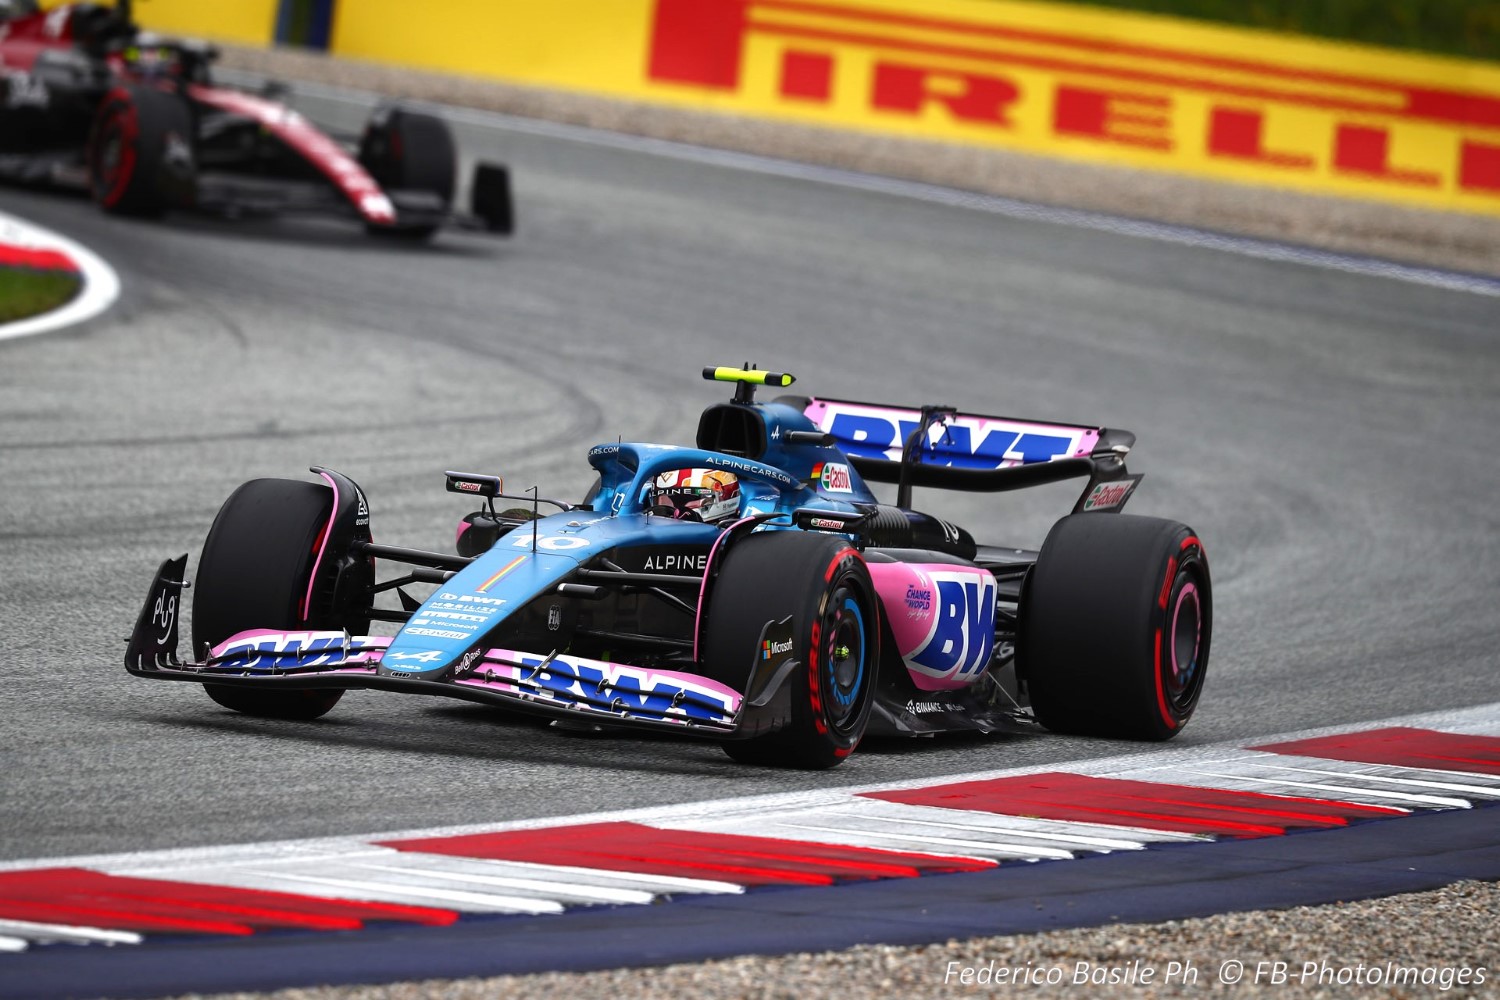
pixel 559 685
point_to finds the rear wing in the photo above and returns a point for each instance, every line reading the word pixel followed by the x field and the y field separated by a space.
pixel 941 448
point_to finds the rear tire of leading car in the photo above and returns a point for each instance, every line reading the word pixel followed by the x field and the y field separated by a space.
pixel 1115 624
pixel 140 152
pixel 822 583
pixel 254 573
pixel 409 151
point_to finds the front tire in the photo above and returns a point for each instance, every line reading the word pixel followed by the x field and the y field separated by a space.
pixel 254 573
pixel 822 583
pixel 1115 627
pixel 140 152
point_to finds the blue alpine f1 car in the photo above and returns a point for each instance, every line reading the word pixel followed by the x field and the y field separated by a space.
pixel 750 590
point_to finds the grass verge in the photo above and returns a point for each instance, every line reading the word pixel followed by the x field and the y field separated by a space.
pixel 25 293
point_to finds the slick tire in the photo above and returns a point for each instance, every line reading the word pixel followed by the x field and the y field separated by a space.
pixel 822 583
pixel 407 150
pixel 1115 622
pixel 254 573
pixel 140 152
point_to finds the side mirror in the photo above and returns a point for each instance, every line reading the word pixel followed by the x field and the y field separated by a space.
pixel 475 484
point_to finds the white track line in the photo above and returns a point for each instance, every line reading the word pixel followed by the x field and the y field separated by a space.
pixel 26 929
pixel 101 286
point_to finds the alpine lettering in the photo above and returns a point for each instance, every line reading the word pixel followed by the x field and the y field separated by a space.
pixel 697 563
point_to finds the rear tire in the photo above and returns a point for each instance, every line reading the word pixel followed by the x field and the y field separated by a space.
pixel 254 573
pixel 406 150
pixel 823 584
pixel 1115 627
pixel 140 152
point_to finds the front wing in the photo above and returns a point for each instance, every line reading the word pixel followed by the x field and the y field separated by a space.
pixel 561 686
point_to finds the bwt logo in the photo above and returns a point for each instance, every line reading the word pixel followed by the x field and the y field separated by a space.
pixel 963 443
pixel 293 649
pixel 1062 87
pixel 963 633
pixel 633 690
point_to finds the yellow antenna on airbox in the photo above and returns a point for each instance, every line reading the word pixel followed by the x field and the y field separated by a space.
pixel 747 378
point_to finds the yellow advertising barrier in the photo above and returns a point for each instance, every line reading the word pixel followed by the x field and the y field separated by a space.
pixel 250 22
pixel 1080 83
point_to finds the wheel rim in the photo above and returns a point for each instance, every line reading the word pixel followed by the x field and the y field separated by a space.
pixel 1183 673
pixel 844 657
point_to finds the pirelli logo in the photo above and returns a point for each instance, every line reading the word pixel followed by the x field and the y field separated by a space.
pixel 1362 123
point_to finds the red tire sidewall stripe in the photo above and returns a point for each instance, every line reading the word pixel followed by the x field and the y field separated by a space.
pixel 125 120
pixel 1161 694
pixel 1190 542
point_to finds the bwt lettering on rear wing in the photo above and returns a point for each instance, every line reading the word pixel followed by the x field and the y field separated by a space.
pixel 940 447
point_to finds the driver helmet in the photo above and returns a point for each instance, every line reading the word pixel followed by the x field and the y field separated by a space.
pixel 709 495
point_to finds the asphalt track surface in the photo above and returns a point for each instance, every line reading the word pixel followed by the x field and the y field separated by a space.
pixel 1326 433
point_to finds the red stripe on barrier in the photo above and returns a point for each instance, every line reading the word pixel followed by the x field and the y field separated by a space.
pixel 633 847
pixel 1402 746
pixel 77 896
pixel 1146 804
pixel 41 260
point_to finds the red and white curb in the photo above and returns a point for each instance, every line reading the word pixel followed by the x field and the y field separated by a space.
pixel 24 244
pixel 1308 781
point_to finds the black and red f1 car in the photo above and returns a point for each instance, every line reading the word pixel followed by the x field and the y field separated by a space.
pixel 89 100
pixel 750 590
